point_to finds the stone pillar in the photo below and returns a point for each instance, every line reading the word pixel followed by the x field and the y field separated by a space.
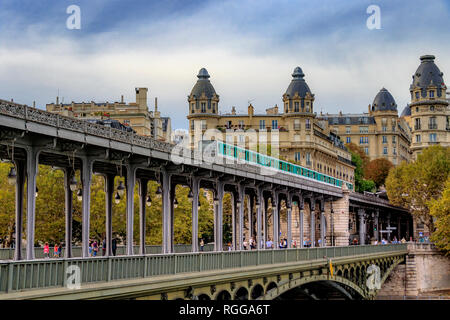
pixel 109 191
pixel 362 227
pixel 341 218
pixel 233 221
pixel 250 215
pixel 130 182
pixel 195 191
pixel 68 197
pixel 313 221
pixel 142 210
pixel 275 219
pixel 265 217
pixel 32 170
pixel 167 211
pixel 323 227
pixel 241 216
pixel 20 183
pixel 218 217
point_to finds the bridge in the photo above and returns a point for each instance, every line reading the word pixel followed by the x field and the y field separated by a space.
pixel 326 214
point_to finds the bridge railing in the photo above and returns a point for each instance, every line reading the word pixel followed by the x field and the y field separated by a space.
pixel 48 273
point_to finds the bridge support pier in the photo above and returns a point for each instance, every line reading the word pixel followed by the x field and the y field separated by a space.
pixel 130 182
pixel 20 182
pixel 142 202
pixel 301 213
pixel 276 221
pixel 86 176
pixel 240 205
pixel 195 190
pixel 362 226
pixel 109 191
pixel 167 211
pixel 218 216
pixel 289 220
pixel 32 170
pixel 68 174
pixel 313 221
pixel 259 200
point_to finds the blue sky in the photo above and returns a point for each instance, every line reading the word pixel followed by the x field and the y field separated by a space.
pixel 249 47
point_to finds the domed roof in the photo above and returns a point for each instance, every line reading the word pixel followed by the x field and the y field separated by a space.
pixel 298 84
pixel 203 85
pixel 384 101
pixel 406 112
pixel 427 74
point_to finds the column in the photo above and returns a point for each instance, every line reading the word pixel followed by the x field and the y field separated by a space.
pixel 195 191
pixel 313 221
pixel 166 211
pixel 250 203
pixel 68 174
pixel 264 214
pixel 142 210
pixel 407 229
pixel 301 209
pixel 20 183
pixel 233 221
pixel 376 222
pixel 289 220
pixel 323 227
pixel 130 182
pixel 241 216
pixel 218 217
pixel 86 176
pixel 32 170
pixel 276 229
pixel 109 191
pixel 259 199
pixel 362 227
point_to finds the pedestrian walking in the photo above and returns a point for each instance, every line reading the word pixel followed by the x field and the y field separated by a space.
pixel 94 248
pixel 245 243
pixel 104 247
pixel 202 244
pixel 55 251
pixel 114 246
pixel 46 250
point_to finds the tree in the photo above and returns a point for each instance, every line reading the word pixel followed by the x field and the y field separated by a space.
pixel 377 170
pixel 353 148
pixel 413 185
pixel 440 210
pixel 361 184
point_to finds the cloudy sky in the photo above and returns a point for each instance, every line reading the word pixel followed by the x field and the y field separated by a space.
pixel 249 47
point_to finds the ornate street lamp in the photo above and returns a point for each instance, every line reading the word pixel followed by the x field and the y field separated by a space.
pixel 175 203
pixel 79 195
pixel 37 192
pixel 148 201
pixel 190 196
pixel 117 198
pixel 257 205
pixel 158 192
pixel 199 202
pixel 121 189
pixel 12 176
pixel 73 184
pixel 216 201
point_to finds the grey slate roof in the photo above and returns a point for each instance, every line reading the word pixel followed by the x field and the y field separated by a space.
pixel 384 101
pixel 428 74
pixel 203 85
pixel 298 84
pixel 345 119
pixel 406 112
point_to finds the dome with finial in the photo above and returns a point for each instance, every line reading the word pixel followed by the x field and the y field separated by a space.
pixel 298 84
pixel 384 101
pixel 428 74
pixel 203 85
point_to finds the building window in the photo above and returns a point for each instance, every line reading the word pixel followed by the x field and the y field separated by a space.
pixel 394 151
pixel 417 95
pixel 308 124
pixel 431 108
pixel 241 124
pixel 296 137
pixel 214 108
pixel 297 156
pixel 349 139
pixel 363 129
pixel 385 150
pixel 366 150
pixel 394 139
pixel 417 124
pixel 229 124
pixel 204 126
pixel 348 130
pixel 384 139
pixel 363 140
pixel 192 125
pixel 192 105
pixel 418 138
pixel 432 137
pixel 274 124
pixel 296 124
pixel 296 107
pixel 262 124
pixel 203 104
pixel 432 94
pixel 432 124
pixel 241 138
pixel 308 159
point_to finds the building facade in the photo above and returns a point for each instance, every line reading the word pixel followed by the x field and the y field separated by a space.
pixel 134 114
pixel 301 137
pixel 428 114
pixel 379 132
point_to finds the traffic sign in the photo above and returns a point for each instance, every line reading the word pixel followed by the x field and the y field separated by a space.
pixel 391 228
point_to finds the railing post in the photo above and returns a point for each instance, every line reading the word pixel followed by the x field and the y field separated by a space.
pixel 10 276
pixel 175 264
pixel 109 269
pixel 200 262
pixel 258 260
pixel 222 258
pixel 242 258
pixel 145 266
pixel 273 256
pixel 66 266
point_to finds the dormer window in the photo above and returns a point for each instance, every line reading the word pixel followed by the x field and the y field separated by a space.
pixel 417 95
pixel 432 94
pixel 203 104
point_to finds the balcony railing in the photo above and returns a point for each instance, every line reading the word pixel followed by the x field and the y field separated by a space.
pixel 432 126
pixel 417 127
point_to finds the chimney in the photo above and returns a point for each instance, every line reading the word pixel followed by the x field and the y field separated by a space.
pixel 368 108
pixel 57 99
pixel 34 104
pixel 276 109
pixel 233 110
pixel 156 104
pixel 121 99
pixel 340 112
pixel 141 98
pixel 250 110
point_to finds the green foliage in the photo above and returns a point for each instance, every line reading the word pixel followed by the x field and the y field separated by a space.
pixel 440 210
pixel 413 185
pixel 361 184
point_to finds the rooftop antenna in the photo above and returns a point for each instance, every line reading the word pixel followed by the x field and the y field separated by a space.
pixel 249 101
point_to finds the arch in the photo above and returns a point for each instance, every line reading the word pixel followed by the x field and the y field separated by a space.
pixel 270 286
pixel 257 291
pixel 223 295
pixel 241 294
pixel 204 297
